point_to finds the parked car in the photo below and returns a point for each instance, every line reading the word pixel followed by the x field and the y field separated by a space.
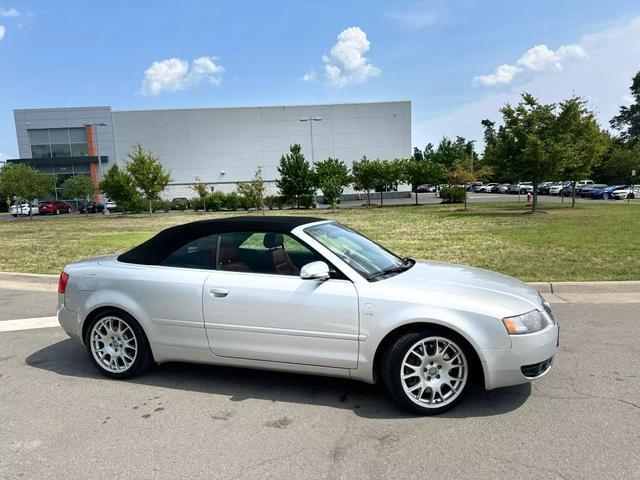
pixel 605 193
pixel 471 187
pixel 307 295
pixel 581 183
pixel 543 188
pixel 91 207
pixel 557 187
pixel 110 205
pixel 521 188
pixel 585 190
pixel 24 209
pixel 427 188
pixel 54 207
pixel 504 188
pixel 630 192
pixel 487 188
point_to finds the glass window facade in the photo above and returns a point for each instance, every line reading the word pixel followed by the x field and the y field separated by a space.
pixel 58 142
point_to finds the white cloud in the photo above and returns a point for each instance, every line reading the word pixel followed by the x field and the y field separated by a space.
pixel 541 57
pixel 2 31
pixel 9 13
pixel 422 15
pixel 503 75
pixel 310 76
pixel 175 74
pixel 3 157
pixel 346 62
pixel 604 80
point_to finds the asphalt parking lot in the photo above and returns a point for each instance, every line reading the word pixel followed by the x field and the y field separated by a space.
pixel 423 198
pixel 60 419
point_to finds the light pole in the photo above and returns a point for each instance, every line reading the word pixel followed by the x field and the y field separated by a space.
pixel 311 120
pixel 95 133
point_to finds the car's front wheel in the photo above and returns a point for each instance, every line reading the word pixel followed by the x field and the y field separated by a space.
pixel 117 345
pixel 426 372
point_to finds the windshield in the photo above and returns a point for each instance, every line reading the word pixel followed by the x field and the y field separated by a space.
pixel 366 257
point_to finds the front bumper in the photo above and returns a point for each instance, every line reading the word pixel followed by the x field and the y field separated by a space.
pixel 70 322
pixel 503 367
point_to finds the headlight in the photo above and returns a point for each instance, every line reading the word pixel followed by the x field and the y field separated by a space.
pixel 530 322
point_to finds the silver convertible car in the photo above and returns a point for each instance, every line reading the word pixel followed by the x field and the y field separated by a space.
pixel 311 296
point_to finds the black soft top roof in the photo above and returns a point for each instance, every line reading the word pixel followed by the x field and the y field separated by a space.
pixel 163 244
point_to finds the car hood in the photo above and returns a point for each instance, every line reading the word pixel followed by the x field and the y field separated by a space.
pixel 461 286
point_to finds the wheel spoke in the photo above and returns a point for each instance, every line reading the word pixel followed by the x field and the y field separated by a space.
pixel 113 344
pixel 431 384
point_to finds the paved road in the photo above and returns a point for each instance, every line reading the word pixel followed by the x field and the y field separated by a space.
pixel 60 419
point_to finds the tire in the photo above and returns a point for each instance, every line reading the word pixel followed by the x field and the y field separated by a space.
pixel 128 355
pixel 605 196
pixel 57 211
pixel 414 380
pixel 631 196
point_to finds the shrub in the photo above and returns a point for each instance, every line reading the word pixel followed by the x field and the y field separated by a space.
pixel 216 201
pixel 274 201
pixel 161 205
pixel 245 202
pixel 453 194
pixel 198 203
pixel 232 201
pixel 307 201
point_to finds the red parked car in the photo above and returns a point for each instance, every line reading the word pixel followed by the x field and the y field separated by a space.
pixel 54 207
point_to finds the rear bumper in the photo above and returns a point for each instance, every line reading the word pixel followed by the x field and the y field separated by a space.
pixel 70 322
pixel 503 367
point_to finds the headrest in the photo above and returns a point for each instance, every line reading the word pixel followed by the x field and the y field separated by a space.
pixel 273 240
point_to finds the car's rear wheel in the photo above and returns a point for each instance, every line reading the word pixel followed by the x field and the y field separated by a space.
pixel 427 372
pixel 605 196
pixel 117 344
pixel 631 196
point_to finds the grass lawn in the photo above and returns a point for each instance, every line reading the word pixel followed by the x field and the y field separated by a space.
pixel 590 242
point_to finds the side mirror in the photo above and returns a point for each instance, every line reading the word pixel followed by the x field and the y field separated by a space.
pixel 315 271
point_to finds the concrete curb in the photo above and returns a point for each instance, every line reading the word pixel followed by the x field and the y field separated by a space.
pixel 629 286
pixel 28 278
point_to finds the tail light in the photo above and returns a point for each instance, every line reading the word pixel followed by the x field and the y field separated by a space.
pixel 62 282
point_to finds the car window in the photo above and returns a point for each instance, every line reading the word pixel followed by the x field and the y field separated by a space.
pixel 263 252
pixel 200 253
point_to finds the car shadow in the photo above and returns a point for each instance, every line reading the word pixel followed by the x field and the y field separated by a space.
pixel 69 358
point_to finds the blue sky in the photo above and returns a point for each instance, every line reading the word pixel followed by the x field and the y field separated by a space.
pixel 457 61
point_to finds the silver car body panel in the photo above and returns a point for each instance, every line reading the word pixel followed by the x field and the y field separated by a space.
pixel 331 327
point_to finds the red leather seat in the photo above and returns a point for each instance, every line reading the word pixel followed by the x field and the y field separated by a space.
pixel 228 257
pixel 283 264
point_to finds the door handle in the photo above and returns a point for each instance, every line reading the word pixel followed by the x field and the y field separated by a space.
pixel 219 292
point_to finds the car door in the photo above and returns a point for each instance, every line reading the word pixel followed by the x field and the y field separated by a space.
pixel 255 309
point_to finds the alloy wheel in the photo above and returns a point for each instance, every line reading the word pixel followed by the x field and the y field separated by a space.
pixel 434 372
pixel 113 344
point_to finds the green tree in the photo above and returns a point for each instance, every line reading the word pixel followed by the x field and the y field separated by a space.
pixel 203 192
pixel 461 173
pixel 524 146
pixel 628 119
pixel 118 185
pixel 618 162
pixel 296 176
pixel 332 176
pixel 449 152
pixel 253 191
pixel 79 186
pixel 25 184
pixel 147 173
pixel 365 176
pixel 580 142
pixel 421 169
pixel 389 174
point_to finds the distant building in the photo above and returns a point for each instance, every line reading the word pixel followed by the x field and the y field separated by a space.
pixel 217 146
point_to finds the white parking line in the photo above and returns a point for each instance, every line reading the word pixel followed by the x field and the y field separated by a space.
pixel 28 324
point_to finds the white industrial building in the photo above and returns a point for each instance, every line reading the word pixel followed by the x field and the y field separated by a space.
pixel 218 146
